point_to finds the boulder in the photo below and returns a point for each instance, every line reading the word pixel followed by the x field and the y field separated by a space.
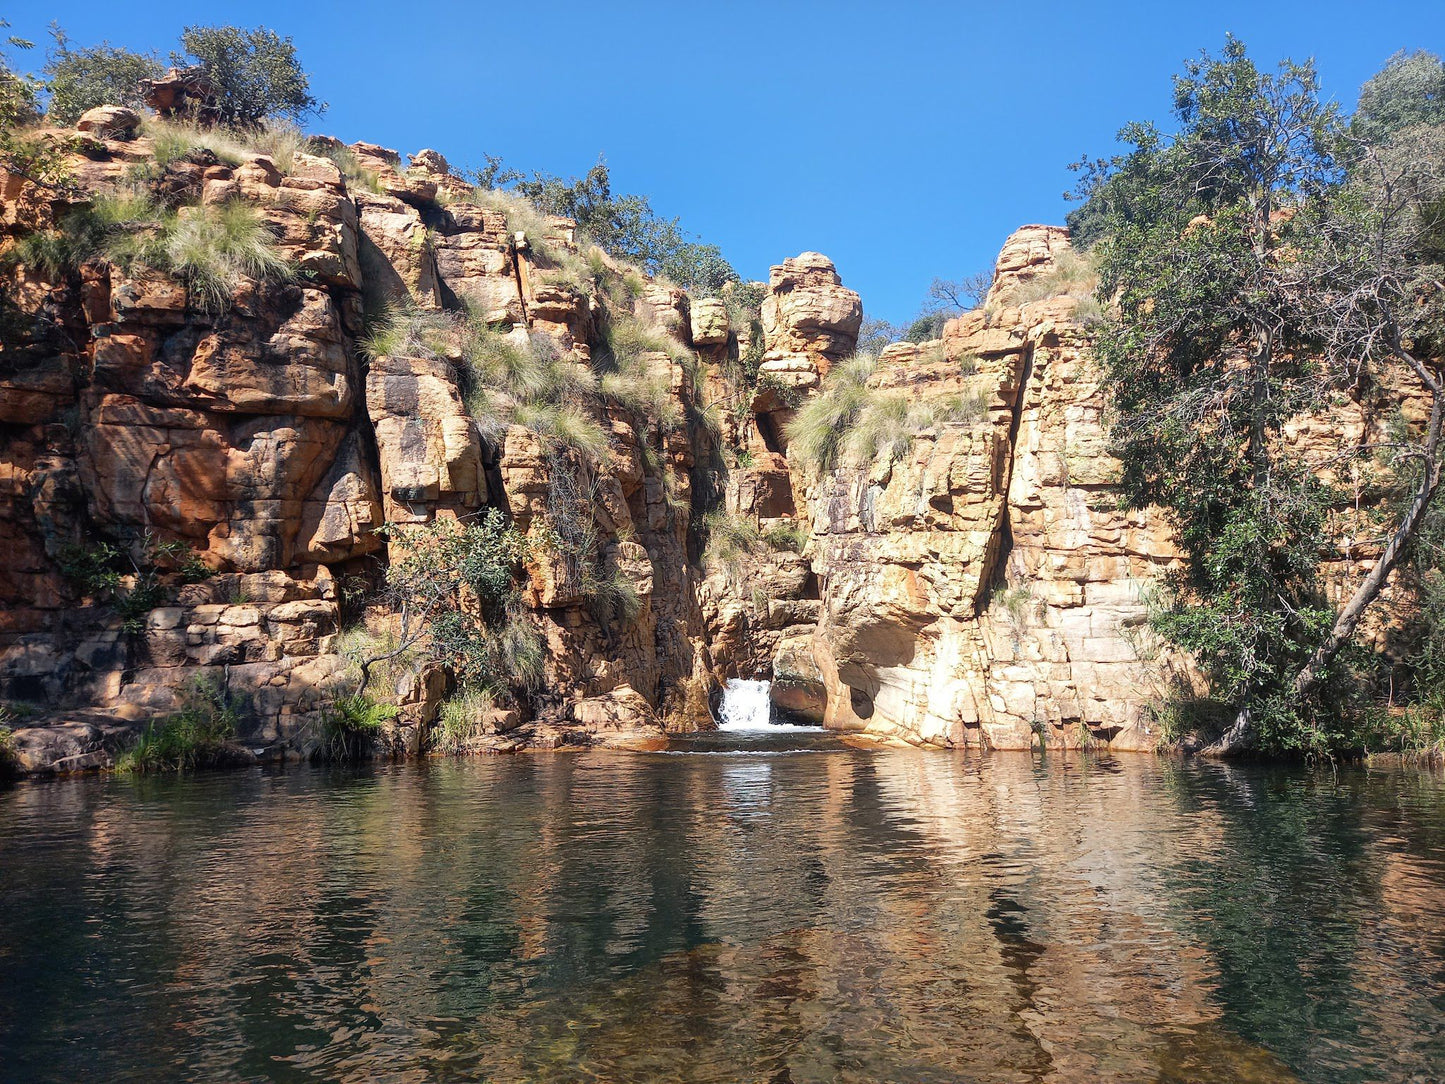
pixel 110 122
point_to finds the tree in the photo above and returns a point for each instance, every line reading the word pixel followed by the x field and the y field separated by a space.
pixel 1208 357
pixel 39 160
pixel 257 73
pixel 1409 91
pixel 960 295
pixel 1262 258
pixel 80 79
pixel 626 226
pixel 1372 284
pixel 453 587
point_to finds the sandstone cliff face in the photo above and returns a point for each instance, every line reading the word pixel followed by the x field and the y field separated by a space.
pixel 981 588
pixel 986 590
pixel 258 436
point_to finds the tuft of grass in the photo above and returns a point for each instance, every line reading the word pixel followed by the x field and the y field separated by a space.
pixel 281 142
pixel 731 540
pixel 1072 273
pixel 352 724
pixel 515 649
pixel 817 432
pixel 177 140
pixel 214 248
pixel 210 248
pixel 848 419
pixel 790 535
pixel 615 602
pixel 461 720
pixel 195 736
pixel 565 424
pixel 411 333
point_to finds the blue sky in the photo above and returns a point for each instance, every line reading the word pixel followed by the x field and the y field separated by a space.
pixel 905 140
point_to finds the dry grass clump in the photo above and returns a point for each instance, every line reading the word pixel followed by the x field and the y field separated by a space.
pixel 731 540
pixel 849 420
pixel 1072 274
pixel 211 248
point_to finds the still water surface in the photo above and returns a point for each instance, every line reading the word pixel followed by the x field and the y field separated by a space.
pixel 734 911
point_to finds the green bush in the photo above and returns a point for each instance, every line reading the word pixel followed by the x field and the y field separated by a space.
pixel 352 724
pixel 460 722
pixel 81 79
pixel 257 73
pixel 195 736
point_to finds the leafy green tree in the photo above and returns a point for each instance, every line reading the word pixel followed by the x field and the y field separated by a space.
pixel 1261 259
pixel 1409 91
pixel 1206 360
pixel 257 73
pixel 626 226
pixel 36 159
pixel 80 79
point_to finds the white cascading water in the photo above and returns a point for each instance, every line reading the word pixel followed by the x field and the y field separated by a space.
pixel 748 705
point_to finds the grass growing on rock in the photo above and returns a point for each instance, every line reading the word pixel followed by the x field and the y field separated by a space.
pixel 211 248
pixel 194 736
pixel 852 421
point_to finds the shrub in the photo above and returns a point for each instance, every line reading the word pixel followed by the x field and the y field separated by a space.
pixel 256 73
pixel 129 585
pixel 81 79
pixel 195 736
pixel 461 718
pixel 351 724
pixel 791 535
pixel 177 140
pixel 9 759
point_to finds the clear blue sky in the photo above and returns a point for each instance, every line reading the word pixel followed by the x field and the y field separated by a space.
pixel 905 140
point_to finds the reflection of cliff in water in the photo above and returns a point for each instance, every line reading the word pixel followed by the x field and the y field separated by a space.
pixel 841 915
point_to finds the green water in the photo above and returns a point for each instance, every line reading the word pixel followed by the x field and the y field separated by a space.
pixel 728 914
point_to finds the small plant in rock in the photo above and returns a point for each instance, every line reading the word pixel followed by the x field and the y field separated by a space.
pixel 850 419
pixel 731 540
pixel 791 535
pixel 351 724
pixel 131 585
pixel 461 719
pixel 209 248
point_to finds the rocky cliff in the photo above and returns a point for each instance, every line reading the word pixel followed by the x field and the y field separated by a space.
pixel 228 463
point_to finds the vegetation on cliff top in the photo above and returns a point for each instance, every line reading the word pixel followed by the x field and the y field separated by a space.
pixel 1267 260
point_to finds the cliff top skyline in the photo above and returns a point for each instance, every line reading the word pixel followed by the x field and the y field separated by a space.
pixel 770 130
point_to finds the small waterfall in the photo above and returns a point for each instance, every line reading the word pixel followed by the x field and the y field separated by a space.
pixel 748 706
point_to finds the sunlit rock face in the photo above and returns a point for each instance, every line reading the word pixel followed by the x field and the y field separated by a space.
pixel 260 437
pixel 981 587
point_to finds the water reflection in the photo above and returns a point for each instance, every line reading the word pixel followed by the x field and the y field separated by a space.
pixel 845 915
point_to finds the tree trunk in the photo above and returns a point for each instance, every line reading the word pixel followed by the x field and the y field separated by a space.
pixel 1234 741
pixel 1369 589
